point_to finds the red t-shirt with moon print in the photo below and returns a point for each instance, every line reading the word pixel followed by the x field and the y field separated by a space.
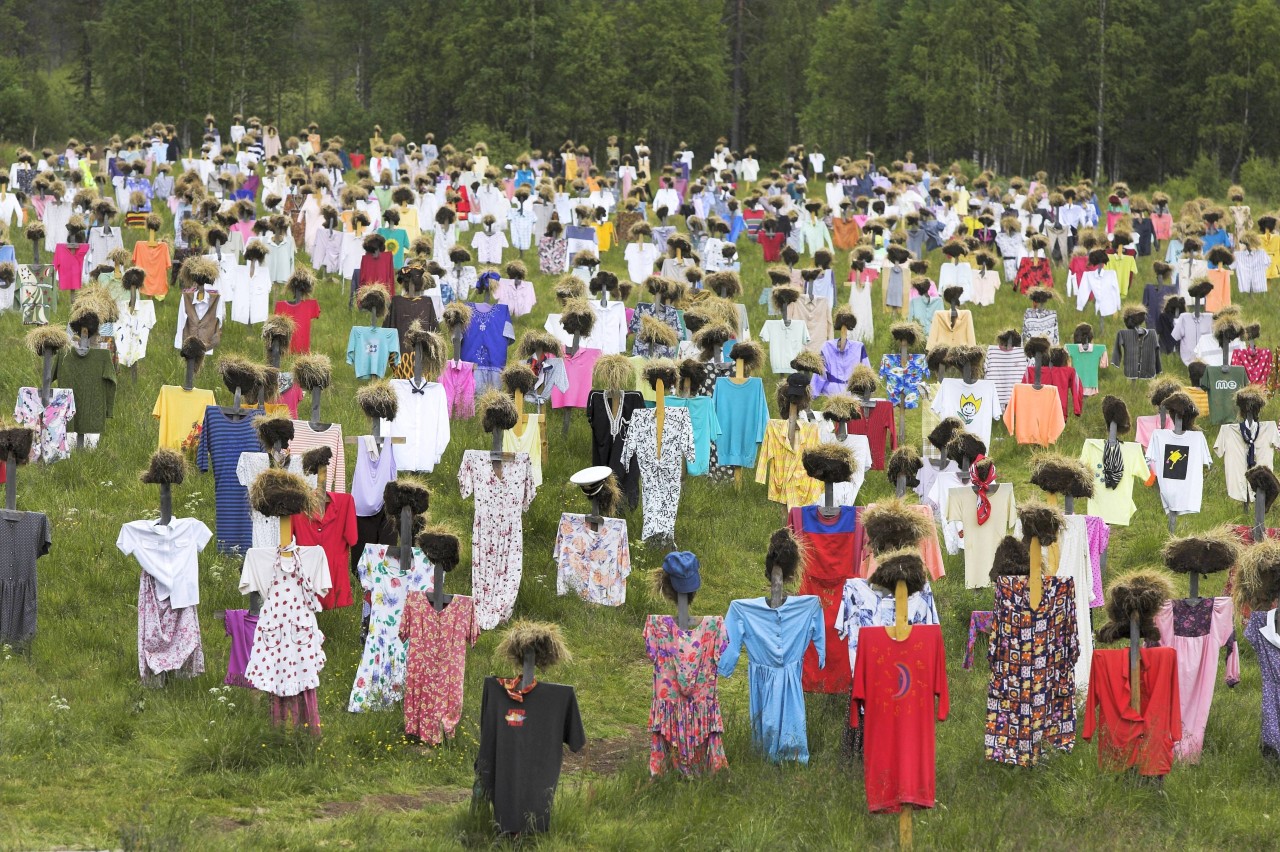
pixel 896 683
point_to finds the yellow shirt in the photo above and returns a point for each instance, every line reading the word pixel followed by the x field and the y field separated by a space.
pixel 409 222
pixel 181 413
pixel 943 333
pixel 604 236
pixel 1125 268
pixel 1271 245
pixel 1200 397
pixel 529 441
pixel 783 468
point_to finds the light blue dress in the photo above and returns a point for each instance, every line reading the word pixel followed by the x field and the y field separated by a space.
pixel 776 640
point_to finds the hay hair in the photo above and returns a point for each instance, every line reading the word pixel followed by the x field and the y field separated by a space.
pixel 1012 559
pixel 1160 388
pixel 316 458
pixel 518 378
pixel 1139 593
pixel 963 447
pixel 974 357
pixel 724 284
pixel 841 408
pixel 1082 335
pixel 1010 338
pixel 16 442
pixel 301 283
pixel 862 381
pixel 1055 473
pixel 1258 577
pixel 278 493
pixel 374 243
pixel 405 493
pixel 456 317
pixel 1037 346
pixel 711 339
pixel 828 463
pixel 655 332
pixel 783 553
pixel 1181 407
pixel 441 546
pixel 198 271
pixel 904 565
pixel 893 524
pixel 661 369
pixel 1115 411
pixel 374 298
pixel 1250 400
pixel 1204 553
pixel 1040 296
pixel 536 342
pixel 613 372
pixel 542 639
pixel 240 374
pixel 1040 520
pixel 1226 325
pixel 909 333
pixel 498 411
pixel 193 351
pixel 844 318
pixel 278 328
pixel 1264 482
pixel 167 467
pixel 570 287
pixel 808 361
pixel 517 270
pixel 272 430
pixel 577 317
pixel 693 371
pixel 378 400
pixel 1220 256
pixel 784 295
pixel 312 372
pixel 951 295
pixel 904 461
pixel 940 436
pixel 1200 288
pixel 1134 316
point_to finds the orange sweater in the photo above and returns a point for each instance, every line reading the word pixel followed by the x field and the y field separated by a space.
pixel 1034 416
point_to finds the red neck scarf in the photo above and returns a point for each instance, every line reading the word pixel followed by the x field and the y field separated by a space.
pixel 984 502
pixel 512 686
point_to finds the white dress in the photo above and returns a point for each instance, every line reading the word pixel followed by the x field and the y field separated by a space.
pixel 497 533
pixel 288 647
pixel 660 478
pixel 860 303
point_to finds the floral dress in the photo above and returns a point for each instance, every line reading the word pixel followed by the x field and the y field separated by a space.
pixel 50 421
pixel 663 313
pixel 1030 697
pixel 659 476
pixel 380 677
pixel 684 719
pixel 437 660
pixel 553 255
pixel 902 384
pixel 497 533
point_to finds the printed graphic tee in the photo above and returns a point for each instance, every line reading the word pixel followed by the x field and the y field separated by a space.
pixel 1178 462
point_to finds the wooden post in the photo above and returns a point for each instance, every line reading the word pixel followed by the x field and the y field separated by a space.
pixel 899 632
pixel 1135 664
pixel 659 414
pixel 904 828
pixel 11 484
pixel 526 677
pixel 1035 582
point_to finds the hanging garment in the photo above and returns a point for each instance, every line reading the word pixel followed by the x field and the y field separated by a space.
pixel 522 734
pixel 776 641
pixel 1034 415
pixel 976 404
pixel 980 540
pixel 903 382
pixel 91 378
pixel 1178 463
pixel 1114 502
pixel 1040 322
pixel 1005 368
pixel 240 628
pixel 896 683
pixel 865 605
pixel 1260 630
pixel 24 538
pixel 1241 446
pixel 1198 629
pixel 946 332
pixel 880 430
pixel 497 532
pixel 831 557
pixel 592 564
pixel 459 380
pixel 684 719
pixel 334 530
pixel 1127 737
pixel 1031 694
pixel 609 435
pixel 1066 381
pixel 51 422
pixel 1257 363
pixel 222 440
pixel 266 529
pixel 1086 359
pixel 132 331
pixel 437 644
pixel 379 681
pixel 660 475
pixel 782 465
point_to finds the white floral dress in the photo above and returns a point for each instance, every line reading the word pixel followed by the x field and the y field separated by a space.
pixel 288 652
pixel 497 534
pixel 659 477
pixel 50 422
pixel 379 682
pixel 133 330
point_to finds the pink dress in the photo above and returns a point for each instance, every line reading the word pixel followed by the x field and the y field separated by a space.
pixel 438 643
pixel 68 263
pixel 1197 629
pixel 168 638
pixel 497 534
pixel 684 720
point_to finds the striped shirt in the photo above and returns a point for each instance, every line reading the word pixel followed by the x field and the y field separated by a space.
pixel 1005 367
pixel 305 438
pixel 222 440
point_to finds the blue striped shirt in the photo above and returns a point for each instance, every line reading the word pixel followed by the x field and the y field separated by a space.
pixel 222 440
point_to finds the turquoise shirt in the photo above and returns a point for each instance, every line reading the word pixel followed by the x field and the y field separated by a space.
pixel 743 414
pixel 706 428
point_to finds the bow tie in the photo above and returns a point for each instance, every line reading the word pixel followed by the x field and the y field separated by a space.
pixel 418 390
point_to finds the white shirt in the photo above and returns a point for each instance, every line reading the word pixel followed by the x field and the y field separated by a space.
pixel 11 214
pixel 422 419
pixel 1231 448
pixel 201 307
pixel 1209 350
pixel 1178 462
pixel 846 493
pixel 169 555
pixel 668 198
pixel 266 529
pixel 489 246
pixel 132 330
pixel 785 342
pixel 609 334
pixel 101 242
pixel 977 405
pixel 640 259
pixel 1103 285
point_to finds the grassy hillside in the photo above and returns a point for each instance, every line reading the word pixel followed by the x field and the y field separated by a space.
pixel 92 759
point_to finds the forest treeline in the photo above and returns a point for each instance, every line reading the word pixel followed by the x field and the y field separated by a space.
pixel 1123 89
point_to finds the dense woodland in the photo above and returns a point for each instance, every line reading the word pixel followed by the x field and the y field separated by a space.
pixel 1122 89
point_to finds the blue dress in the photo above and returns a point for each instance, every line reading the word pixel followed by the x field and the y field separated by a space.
pixel 222 440
pixel 485 342
pixel 776 640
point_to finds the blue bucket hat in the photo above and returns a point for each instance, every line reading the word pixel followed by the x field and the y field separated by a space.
pixel 683 569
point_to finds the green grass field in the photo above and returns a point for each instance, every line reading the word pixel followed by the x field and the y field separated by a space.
pixel 91 759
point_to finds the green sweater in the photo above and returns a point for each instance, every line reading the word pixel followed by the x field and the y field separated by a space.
pixel 92 378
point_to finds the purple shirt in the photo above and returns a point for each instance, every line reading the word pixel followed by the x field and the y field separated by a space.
pixel 486 339
pixel 241 627
pixel 371 477
pixel 839 366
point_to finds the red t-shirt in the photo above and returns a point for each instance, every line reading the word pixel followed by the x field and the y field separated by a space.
pixel 1066 380
pixel 771 244
pixel 1127 738
pixel 335 531
pixel 832 555
pixel 379 270
pixel 879 429
pixel 896 683
pixel 302 314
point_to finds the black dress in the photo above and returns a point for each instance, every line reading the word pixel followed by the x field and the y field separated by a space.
pixel 608 435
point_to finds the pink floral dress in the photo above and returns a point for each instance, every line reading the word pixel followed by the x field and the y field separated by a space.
pixel 497 533
pixel 438 644
pixel 687 729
